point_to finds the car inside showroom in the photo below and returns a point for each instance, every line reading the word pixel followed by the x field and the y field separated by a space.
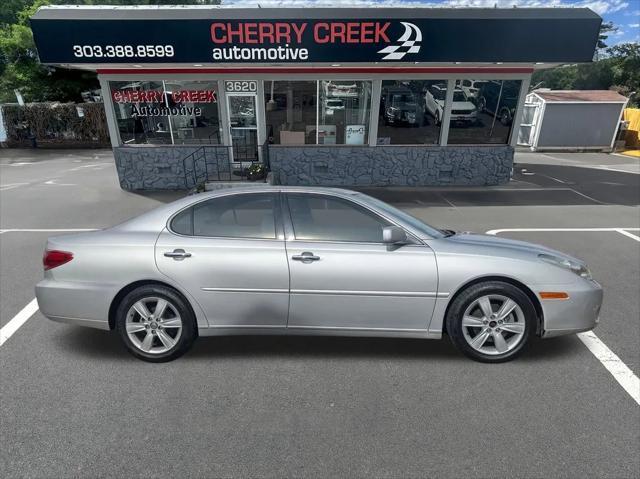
pixel 322 96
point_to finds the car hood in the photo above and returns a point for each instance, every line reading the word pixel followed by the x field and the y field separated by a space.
pixel 463 105
pixel 491 241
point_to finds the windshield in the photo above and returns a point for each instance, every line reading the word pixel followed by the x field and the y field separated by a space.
pixel 412 221
pixel 459 96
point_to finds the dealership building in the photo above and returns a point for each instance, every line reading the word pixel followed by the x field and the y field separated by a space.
pixel 320 96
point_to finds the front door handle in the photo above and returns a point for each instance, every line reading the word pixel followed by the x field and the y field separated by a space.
pixel 177 254
pixel 306 257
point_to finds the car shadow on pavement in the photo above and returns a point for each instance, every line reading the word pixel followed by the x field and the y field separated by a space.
pixel 107 345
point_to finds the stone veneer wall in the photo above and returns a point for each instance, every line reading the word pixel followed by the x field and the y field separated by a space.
pixel 391 165
pixel 162 167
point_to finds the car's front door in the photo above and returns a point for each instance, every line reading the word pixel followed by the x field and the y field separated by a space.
pixel 344 277
pixel 228 253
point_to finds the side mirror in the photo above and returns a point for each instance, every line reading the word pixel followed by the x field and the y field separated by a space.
pixel 394 235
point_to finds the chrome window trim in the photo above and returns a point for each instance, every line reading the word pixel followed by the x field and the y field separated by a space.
pixel 246 290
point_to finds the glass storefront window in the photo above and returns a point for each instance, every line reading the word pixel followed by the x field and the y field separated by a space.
pixel 290 112
pixel 343 112
pixel 404 117
pixel 483 111
pixel 198 119
pixel 166 112
pixel 324 112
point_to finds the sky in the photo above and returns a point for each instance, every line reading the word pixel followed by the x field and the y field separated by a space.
pixel 625 14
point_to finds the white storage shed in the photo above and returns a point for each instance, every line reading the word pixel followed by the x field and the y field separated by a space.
pixel 571 119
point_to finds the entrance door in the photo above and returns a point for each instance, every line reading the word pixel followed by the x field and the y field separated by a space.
pixel 243 126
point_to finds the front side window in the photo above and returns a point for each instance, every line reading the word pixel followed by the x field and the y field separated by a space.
pixel 482 111
pixel 410 111
pixel 324 218
pixel 233 216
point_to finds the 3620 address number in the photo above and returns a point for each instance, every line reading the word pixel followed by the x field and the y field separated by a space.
pixel 123 51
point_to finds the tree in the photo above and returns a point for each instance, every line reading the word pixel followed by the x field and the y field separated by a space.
pixel 605 29
pixel 618 70
pixel 19 65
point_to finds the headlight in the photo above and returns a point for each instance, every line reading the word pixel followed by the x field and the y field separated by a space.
pixel 577 268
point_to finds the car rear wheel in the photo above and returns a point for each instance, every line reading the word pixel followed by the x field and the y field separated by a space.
pixel 155 324
pixel 491 322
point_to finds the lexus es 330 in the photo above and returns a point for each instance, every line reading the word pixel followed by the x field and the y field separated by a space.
pixel 286 260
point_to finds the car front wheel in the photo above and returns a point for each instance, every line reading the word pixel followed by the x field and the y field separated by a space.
pixel 491 322
pixel 155 324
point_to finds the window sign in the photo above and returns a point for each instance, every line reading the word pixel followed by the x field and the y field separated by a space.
pixel 354 135
pixel 166 112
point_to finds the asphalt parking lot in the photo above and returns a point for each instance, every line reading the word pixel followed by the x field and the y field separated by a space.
pixel 75 404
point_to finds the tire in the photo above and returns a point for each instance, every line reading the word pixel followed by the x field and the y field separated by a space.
pixel 477 336
pixel 155 339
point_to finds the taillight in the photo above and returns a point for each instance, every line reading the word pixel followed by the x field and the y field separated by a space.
pixel 53 258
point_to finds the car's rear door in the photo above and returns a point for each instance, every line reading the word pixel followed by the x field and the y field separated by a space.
pixel 344 278
pixel 228 252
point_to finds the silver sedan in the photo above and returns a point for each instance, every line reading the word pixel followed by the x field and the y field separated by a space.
pixel 286 260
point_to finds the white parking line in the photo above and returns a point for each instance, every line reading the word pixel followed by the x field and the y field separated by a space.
pixel 46 230
pixel 618 369
pixel 627 234
pixel 533 230
pixel 10 186
pixel 18 320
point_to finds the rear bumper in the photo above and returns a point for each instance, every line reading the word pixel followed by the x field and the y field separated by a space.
pixel 84 304
pixel 580 312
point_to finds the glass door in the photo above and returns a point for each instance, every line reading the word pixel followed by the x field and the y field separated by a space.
pixel 243 126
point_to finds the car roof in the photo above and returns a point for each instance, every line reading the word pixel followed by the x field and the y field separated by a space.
pixel 157 217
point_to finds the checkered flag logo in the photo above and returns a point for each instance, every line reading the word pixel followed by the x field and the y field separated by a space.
pixel 406 45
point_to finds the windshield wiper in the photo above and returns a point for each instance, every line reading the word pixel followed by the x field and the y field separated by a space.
pixel 448 233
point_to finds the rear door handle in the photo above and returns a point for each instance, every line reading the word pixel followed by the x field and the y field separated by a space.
pixel 177 254
pixel 306 257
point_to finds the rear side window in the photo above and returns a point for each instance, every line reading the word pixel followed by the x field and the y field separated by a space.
pixel 235 216
pixel 182 223
pixel 323 218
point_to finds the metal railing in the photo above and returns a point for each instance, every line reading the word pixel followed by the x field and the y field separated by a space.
pixel 224 163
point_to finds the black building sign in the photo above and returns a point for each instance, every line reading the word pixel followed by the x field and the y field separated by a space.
pixel 391 37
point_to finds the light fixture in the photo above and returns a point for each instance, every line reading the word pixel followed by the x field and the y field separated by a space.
pixel 197 65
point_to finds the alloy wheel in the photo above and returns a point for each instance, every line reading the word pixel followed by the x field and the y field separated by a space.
pixel 493 324
pixel 153 325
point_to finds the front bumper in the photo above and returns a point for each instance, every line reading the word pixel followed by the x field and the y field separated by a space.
pixel 580 312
